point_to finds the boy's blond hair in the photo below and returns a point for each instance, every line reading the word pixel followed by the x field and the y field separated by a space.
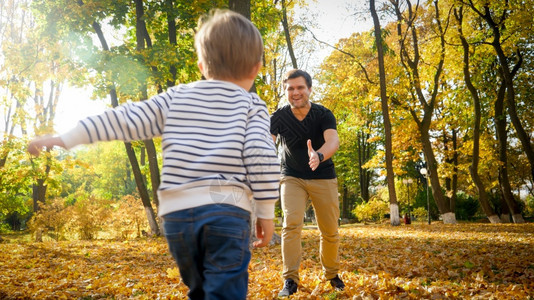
pixel 228 45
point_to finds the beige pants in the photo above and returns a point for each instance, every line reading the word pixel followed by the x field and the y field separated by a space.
pixel 323 193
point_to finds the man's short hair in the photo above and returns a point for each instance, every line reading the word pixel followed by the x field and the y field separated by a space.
pixel 295 73
pixel 228 45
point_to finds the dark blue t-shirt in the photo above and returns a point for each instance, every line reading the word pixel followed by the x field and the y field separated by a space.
pixel 293 135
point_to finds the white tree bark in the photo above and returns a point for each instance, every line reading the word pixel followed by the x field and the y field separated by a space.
pixel 518 218
pixel 394 214
pixel 494 219
pixel 449 218
pixel 505 218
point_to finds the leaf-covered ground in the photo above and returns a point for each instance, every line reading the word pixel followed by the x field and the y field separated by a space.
pixel 464 261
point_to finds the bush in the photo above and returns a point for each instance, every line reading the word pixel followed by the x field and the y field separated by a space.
pixel 374 210
pixel 420 213
pixel 466 207
pixel 86 217
pixel 91 214
pixel 52 219
pixel 529 207
pixel 129 218
pixel 89 217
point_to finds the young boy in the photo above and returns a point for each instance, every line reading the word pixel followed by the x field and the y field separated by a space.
pixel 218 157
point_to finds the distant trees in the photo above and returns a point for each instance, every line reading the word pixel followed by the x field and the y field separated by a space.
pixel 458 89
pixel 450 67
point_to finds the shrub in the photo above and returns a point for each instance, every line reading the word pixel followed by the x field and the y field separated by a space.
pixel 466 207
pixel 86 217
pixel 52 219
pixel 420 213
pixel 374 210
pixel 529 206
pixel 129 218
pixel 91 215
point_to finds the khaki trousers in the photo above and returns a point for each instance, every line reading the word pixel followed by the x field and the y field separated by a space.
pixel 323 193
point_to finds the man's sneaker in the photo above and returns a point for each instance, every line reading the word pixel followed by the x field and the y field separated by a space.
pixel 337 283
pixel 290 287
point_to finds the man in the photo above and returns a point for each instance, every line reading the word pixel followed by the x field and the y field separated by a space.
pixel 308 138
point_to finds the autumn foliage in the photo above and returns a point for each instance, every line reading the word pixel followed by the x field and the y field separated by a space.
pixel 89 217
pixel 473 261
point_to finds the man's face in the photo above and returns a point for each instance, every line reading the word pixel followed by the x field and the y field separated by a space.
pixel 297 92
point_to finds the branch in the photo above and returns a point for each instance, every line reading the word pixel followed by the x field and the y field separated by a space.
pixel 344 52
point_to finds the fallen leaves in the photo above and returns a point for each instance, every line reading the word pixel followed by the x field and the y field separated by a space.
pixel 475 261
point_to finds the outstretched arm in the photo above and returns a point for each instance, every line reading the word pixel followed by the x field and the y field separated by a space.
pixel 328 149
pixel 36 146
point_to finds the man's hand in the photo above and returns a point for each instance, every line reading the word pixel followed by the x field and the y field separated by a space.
pixel 314 158
pixel 264 232
pixel 36 146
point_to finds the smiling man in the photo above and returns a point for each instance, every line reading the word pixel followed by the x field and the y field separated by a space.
pixel 308 139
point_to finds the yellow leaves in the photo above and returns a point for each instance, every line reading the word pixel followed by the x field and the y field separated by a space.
pixel 464 261
pixel 173 273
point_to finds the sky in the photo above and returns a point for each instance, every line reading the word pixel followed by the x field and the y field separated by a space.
pixel 334 19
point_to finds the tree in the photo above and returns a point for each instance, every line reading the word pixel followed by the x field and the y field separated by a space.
pixel 496 16
pixel 351 94
pixel 141 186
pixel 423 90
pixel 394 206
pixel 35 69
pixel 482 194
pixel 15 207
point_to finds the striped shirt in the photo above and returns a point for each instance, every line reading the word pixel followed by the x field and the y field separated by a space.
pixel 216 144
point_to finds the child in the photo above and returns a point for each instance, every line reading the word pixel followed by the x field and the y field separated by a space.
pixel 218 157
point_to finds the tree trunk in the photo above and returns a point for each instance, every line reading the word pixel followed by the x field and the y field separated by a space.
pixel 505 211
pixel 394 206
pixel 483 197
pixel 154 169
pixel 141 187
pixel 364 174
pixel 345 203
pixel 432 167
pixel 44 122
pixel 3 159
pixel 508 75
pixel 243 7
pixel 448 179
pixel 287 34
pixel 39 187
pixel 143 38
pixel 502 139
pixel 451 182
pixel 454 188
pixel 39 194
pixel 240 6
pixel 171 24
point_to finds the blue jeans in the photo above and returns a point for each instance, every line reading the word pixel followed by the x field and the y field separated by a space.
pixel 210 244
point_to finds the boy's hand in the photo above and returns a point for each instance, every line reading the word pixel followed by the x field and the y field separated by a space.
pixel 36 146
pixel 264 232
